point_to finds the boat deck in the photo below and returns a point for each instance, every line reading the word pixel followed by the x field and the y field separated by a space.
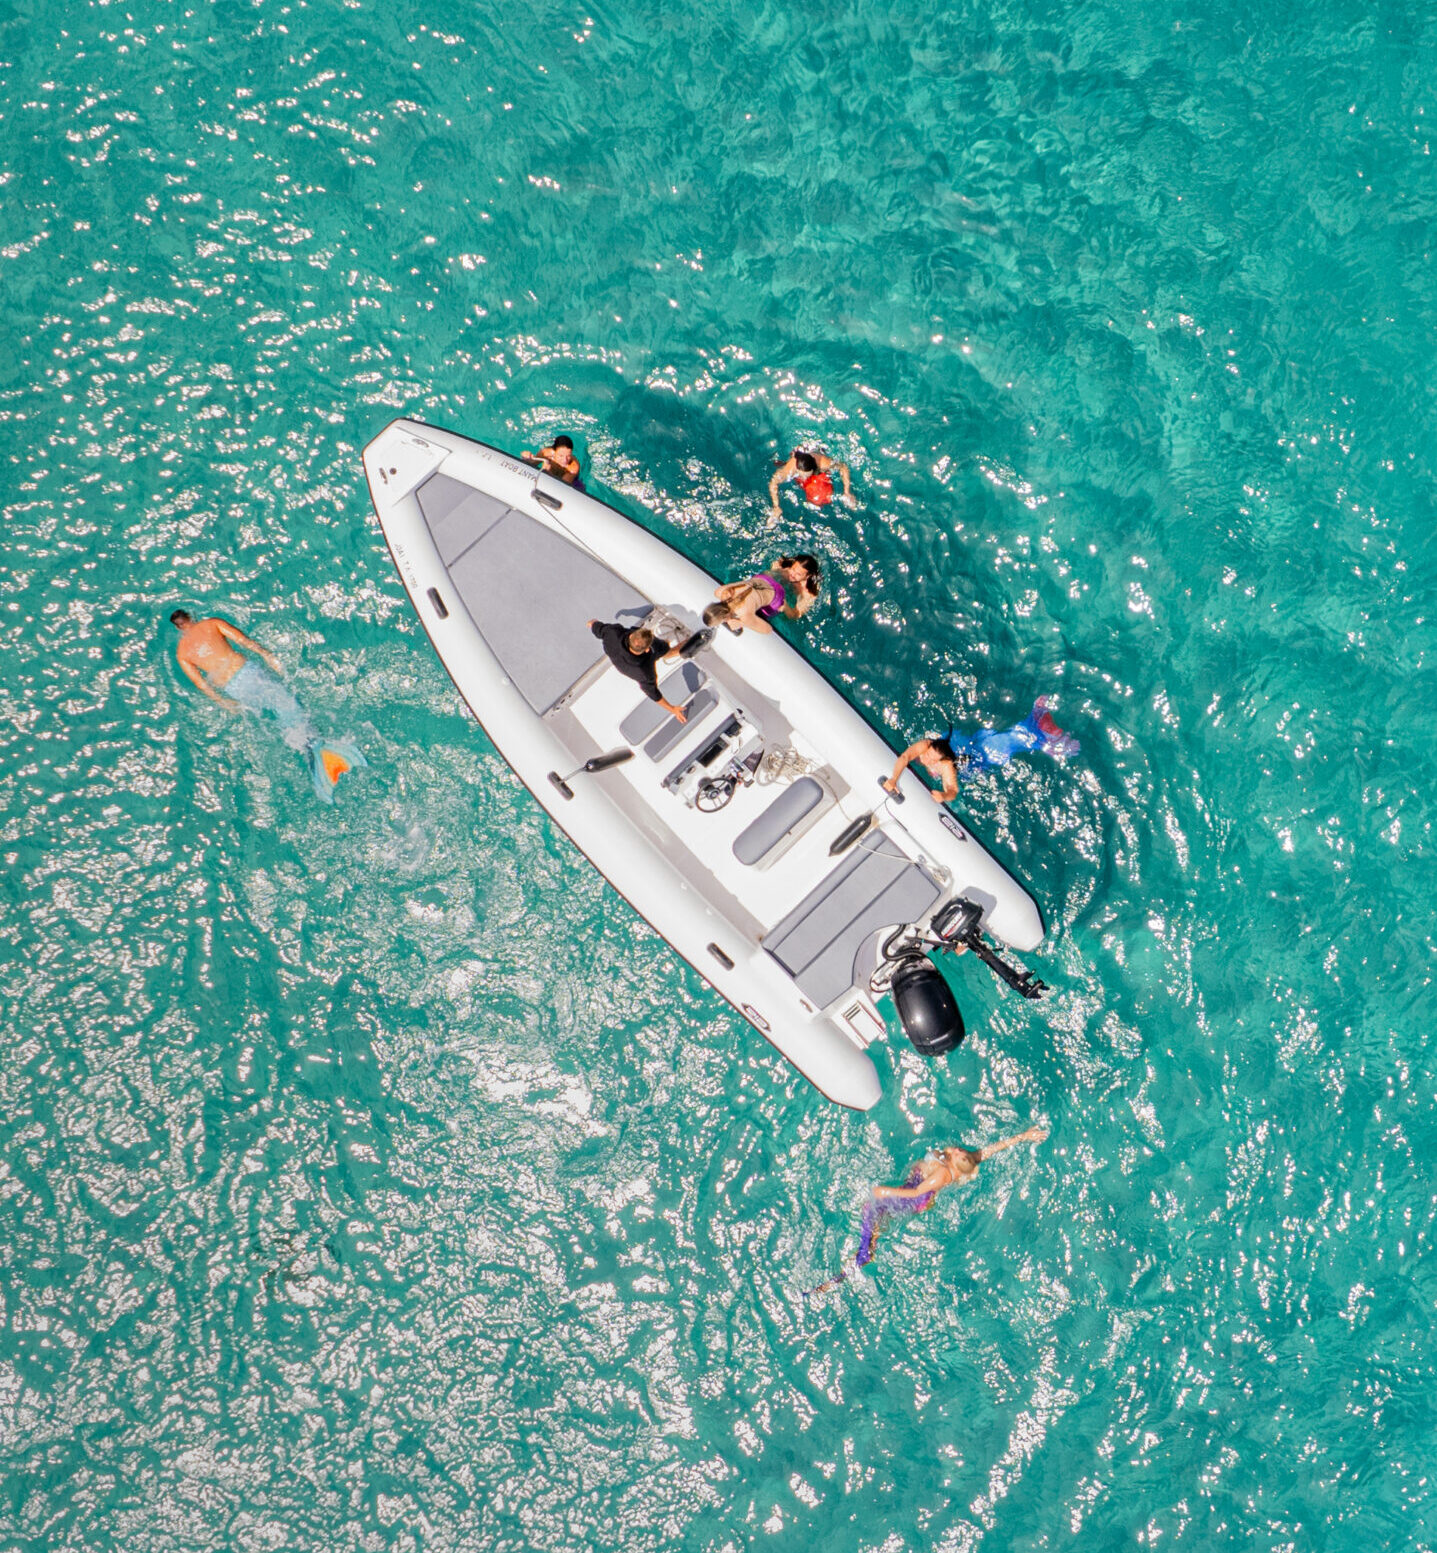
pixel 767 847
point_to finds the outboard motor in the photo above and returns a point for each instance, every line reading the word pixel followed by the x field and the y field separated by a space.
pixel 927 1009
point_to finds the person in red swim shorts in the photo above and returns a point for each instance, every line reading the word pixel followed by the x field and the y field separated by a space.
pixel 814 472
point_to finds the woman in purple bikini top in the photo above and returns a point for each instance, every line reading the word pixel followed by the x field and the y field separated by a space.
pixel 799 571
pixel 759 600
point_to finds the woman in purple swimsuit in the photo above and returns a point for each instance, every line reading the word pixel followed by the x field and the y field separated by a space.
pixel 948 1167
pixel 760 599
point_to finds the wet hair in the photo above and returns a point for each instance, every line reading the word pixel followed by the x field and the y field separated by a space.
pixel 563 442
pixel 181 617
pixel 944 748
pixel 808 562
pixel 716 614
pixel 644 636
pixel 805 461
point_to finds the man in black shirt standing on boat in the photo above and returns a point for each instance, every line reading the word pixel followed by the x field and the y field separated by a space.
pixel 636 655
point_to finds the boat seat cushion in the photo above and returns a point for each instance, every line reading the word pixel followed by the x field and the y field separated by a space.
pixel 673 730
pixel 647 715
pixel 456 514
pixel 796 802
pixel 876 887
pixel 531 594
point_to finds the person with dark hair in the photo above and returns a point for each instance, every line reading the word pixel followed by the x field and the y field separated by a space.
pixel 814 472
pixel 558 460
pixel 636 654
pixel 941 1169
pixel 208 659
pixel 958 756
pixel 938 758
pixel 762 598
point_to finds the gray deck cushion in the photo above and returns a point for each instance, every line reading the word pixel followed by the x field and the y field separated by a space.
pixel 647 715
pixel 817 942
pixel 673 730
pixel 457 514
pixel 798 800
pixel 531 594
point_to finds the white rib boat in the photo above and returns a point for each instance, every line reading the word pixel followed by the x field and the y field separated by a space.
pixel 755 837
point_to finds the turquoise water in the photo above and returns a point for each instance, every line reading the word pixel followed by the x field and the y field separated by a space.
pixel 371 1178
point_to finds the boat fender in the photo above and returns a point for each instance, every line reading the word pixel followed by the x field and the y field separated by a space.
pixel 850 834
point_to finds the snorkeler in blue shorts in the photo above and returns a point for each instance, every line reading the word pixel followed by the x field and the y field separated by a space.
pixel 948 1167
pixel 960 757
pixel 208 658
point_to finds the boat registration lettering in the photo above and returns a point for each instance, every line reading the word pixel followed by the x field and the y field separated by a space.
pixel 952 824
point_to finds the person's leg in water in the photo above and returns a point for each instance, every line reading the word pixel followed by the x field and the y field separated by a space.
pixel 992 748
pixel 259 691
pixel 949 1167
pixel 876 1212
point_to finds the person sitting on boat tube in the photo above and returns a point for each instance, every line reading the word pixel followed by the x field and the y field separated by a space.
pixel 762 598
pixel 558 460
pixel 636 654
pixel 814 472
pixel 958 756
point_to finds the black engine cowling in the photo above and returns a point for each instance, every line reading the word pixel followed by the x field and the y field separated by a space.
pixel 927 1009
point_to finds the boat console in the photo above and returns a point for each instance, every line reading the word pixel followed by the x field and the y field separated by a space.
pixel 709 775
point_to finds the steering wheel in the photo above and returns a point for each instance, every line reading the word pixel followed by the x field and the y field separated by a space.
pixel 714 794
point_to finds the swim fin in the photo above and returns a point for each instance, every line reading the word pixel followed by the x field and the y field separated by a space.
pixel 329 762
pixel 1053 740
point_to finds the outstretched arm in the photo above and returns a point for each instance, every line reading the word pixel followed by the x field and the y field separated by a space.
pixel 847 486
pixel 779 475
pixel 910 754
pixel 921 1190
pixel 805 602
pixel 200 683
pixel 1033 1135
pixel 235 635
pixel 749 620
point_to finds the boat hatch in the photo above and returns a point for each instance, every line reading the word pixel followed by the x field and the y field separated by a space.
pixel 818 942
pixel 494 553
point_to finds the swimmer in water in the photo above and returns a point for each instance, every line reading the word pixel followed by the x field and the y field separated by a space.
pixel 814 472
pixel 957 756
pixel 208 659
pixel 558 460
pixel 946 1167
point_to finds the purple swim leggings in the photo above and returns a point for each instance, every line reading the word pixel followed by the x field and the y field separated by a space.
pixel 881 1208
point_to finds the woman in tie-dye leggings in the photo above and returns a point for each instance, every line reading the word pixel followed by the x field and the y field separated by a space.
pixel 947 1167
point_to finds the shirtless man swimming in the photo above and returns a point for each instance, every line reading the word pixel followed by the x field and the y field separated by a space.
pixel 207 658
pixel 204 650
pixel 945 1168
